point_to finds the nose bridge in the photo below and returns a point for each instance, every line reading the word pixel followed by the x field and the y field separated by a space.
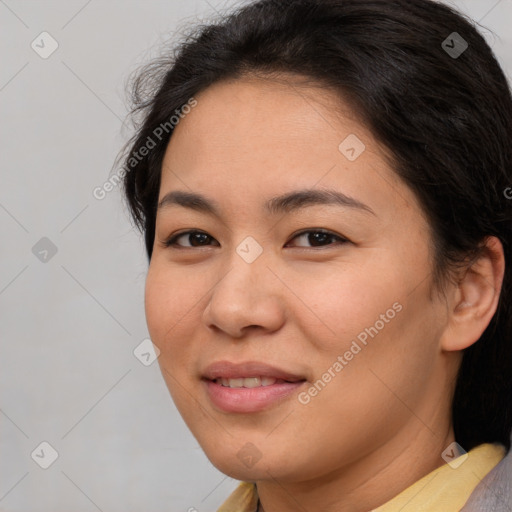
pixel 249 250
pixel 247 294
pixel 248 275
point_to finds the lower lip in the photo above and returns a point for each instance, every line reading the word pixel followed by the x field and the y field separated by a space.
pixel 247 400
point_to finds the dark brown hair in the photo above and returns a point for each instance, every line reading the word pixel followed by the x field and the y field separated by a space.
pixel 437 100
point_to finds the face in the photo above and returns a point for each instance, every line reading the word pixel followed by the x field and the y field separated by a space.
pixel 291 301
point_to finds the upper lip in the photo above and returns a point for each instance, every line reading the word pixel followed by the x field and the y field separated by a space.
pixel 229 370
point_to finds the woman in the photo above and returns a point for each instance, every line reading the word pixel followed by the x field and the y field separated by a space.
pixel 322 189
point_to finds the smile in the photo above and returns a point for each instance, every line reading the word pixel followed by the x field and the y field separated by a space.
pixel 248 387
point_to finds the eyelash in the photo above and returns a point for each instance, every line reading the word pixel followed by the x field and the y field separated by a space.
pixel 171 241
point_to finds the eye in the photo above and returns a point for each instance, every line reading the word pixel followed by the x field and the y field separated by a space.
pixel 316 238
pixel 195 239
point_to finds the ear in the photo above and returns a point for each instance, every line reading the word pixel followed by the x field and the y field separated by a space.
pixel 475 298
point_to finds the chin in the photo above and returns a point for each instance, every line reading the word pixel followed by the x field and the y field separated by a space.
pixel 239 472
pixel 249 463
pixel 244 463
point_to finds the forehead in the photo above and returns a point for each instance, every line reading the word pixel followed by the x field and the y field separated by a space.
pixel 246 113
pixel 263 137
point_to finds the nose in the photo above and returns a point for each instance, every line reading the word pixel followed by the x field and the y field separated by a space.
pixel 248 296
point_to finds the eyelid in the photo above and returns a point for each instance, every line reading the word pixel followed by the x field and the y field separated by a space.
pixel 332 234
pixel 170 241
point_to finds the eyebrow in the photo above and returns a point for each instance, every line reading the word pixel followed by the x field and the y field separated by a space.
pixel 286 203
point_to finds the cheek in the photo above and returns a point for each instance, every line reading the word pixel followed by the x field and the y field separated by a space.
pixel 389 359
pixel 375 315
pixel 171 299
pixel 385 377
pixel 159 306
pixel 340 302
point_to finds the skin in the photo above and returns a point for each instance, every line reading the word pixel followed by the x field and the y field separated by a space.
pixel 384 420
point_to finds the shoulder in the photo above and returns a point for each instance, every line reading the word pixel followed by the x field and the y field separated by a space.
pixel 494 492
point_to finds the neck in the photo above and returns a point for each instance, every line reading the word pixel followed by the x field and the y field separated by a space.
pixel 365 483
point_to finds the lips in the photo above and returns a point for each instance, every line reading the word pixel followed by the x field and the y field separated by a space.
pixel 248 387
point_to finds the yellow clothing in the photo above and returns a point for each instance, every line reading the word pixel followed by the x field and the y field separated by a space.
pixel 446 489
pixel 243 499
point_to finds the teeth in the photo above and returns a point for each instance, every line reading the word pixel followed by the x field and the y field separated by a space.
pixel 251 382
pixel 247 382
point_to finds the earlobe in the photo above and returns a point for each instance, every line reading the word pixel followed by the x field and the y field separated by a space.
pixel 476 298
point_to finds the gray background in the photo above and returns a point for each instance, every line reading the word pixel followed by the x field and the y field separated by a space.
pixel 69 325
